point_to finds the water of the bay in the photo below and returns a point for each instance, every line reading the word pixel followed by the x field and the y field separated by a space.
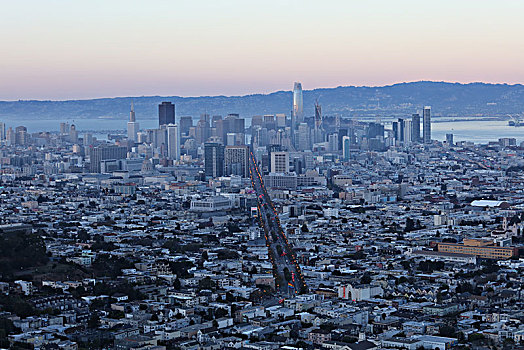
pixel 478 131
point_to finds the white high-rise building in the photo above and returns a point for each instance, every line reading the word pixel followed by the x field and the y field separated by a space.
pixel 279 162
pixel 333 142
pixel 88 139
pixel 132 126
pixel 173 141
pixel 408 132
pixel 298 104
pixel 426 121
pixel 303 136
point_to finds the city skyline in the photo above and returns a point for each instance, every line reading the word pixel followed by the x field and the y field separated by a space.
pixel 234 48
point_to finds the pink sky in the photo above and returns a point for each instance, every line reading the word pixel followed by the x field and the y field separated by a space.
pixel 63 50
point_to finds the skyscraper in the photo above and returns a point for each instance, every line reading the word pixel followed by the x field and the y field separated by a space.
pixel 213 159
pixel 166 113
pixel 132 113
pixel 104 152
pixel 426 119
pixel 318 131
pixel 415 127
pixel 298 105
pixel 73 134
pixel 10 137
pixel 303 137
pixel 346 147
pixel 395 128
pixel 408 132
pixel 318 115
pixel 279 162
pixel 64 128
pixel 185 124
pixel 449 139
pixel 341 134
pixel 2 131
pixel 333 142
pixel 400 130
pixel 236 160
pixel 132 125
pixel 173 141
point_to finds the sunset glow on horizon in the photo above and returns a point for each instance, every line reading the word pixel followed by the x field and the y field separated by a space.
pixel 75 49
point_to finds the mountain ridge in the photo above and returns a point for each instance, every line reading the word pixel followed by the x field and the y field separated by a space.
pixel 399 99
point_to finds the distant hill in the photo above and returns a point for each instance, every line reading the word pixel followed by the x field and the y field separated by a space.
pixel 446 99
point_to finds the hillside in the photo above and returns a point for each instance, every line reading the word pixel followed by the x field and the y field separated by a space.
pixel 446 99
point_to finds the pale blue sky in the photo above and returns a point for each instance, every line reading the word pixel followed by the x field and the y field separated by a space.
pixel 81 49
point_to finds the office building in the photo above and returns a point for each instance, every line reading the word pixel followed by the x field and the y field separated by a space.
pixel 236 160
pixel 213 159
pixel 375 130
pixel 64 128
pixel 478 247
pixel 400 131
pixel 341 134
pixel 21 137
pixel 318 133
pixel 426 120
pixel 346 147
pixel 415 127
pixel 407 130
pixel 2 131
pixel 279 162
pixel 333 142
pixel 232 123
pixel 202 131
pixel 73 134
pixel 132 125
pixel 257 120
pixel 185 124
pixel 166 113
pixel 449 139
pixel 173 141
pixel 298 104
pixel 303 137
pixel 281 120
pixel 105 152
pixel 10 137
pixel 88 139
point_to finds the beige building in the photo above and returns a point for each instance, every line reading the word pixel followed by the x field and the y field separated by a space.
pixel 478 247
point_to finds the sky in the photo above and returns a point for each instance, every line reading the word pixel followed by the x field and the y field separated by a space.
pixel 73 49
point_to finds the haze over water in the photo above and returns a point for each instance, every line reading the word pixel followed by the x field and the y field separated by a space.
pixel 474 130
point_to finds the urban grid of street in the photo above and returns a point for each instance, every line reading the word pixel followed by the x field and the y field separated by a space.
pixel 288 277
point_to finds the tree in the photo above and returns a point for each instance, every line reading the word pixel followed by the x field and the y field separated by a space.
pixel 206 283
pixel 220 312
pixel 304 228
pixel 94 321
pixel 177 284
pixel 365 279
pixel 447 331
pixel 410 225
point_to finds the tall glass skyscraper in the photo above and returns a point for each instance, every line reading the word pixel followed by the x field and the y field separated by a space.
pixel 426 120
pixel 166 113
pixel 298 105
pixel 415 132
